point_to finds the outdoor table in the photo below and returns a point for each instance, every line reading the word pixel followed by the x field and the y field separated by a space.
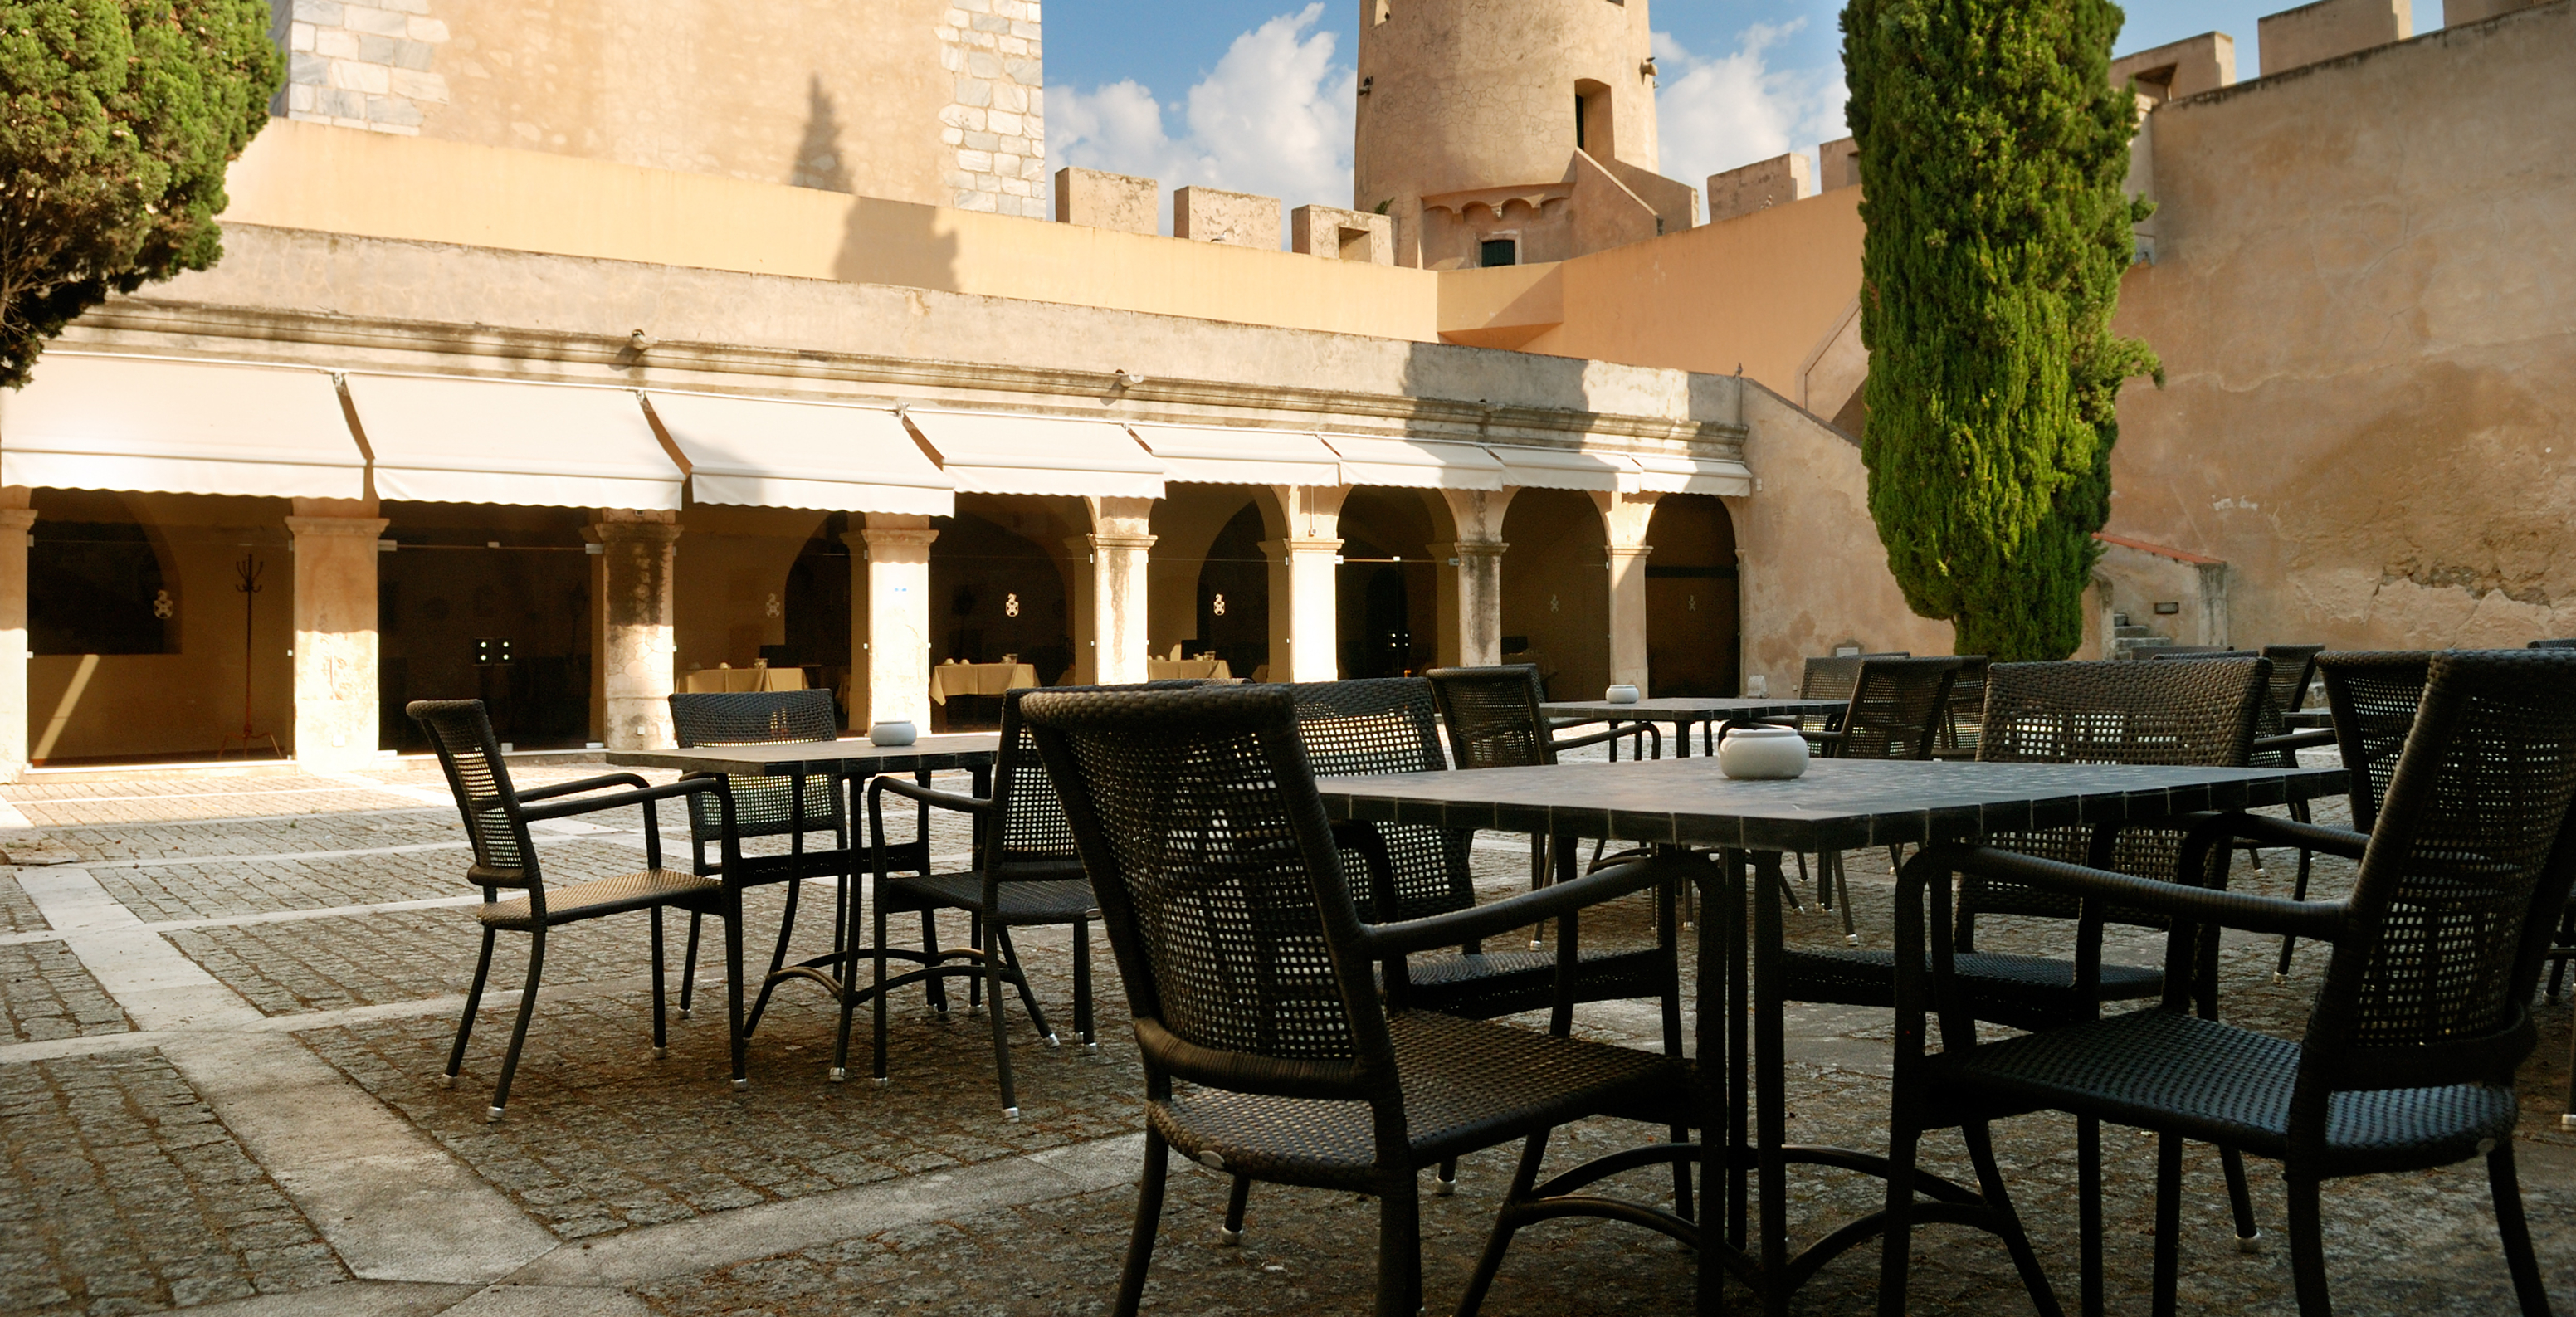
pixel 1180 669
pixel 846 762
pixel 948 679
pixel 1841 804
pixel 1683 712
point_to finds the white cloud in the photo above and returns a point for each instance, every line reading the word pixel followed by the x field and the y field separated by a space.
pixel 1717 113
pixel 1273 118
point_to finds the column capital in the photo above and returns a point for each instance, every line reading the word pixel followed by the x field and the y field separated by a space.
pixel 351 527
pixel 17 519
pixel 633 532
pixel 892 537
pixel 1618 551
pixel 1138 542
pixel 1471 549
pixel 1292 545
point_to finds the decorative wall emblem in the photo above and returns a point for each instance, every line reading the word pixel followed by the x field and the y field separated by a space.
pixel 775 608
pixel 1220 605
pixel 1011 606
pixel 163 606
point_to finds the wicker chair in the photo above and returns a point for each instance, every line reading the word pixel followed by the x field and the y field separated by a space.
pixel 1248 971
pixel 765 807
pixel 2276 746
pixel 2554 644
pixel 2065 713
pixel 496 823
pixel 1898 708
pixel 1967 710
pixel 2410 1051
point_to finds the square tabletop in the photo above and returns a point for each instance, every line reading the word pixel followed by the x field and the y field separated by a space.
pixel 1684 708
pixel 1841 804
pixel 848 757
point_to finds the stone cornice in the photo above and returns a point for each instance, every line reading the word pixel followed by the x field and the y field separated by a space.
pixel 535 354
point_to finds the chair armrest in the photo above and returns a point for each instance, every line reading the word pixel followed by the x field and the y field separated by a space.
pixel 2342 842
pixel 927 795
pixel 1616 733
pixel 2321 920
pixel 1822 740
pixel 2312 738
pixel 685 787
pixel 1956 754
pixel 586 784
pixel 1458 927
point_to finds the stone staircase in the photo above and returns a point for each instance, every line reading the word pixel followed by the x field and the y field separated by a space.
pixel 2130 641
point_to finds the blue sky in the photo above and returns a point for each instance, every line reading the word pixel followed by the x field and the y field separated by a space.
pixel 1256 94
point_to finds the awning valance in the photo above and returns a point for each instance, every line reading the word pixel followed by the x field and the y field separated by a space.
pixel 1415 463
pixel 95 421
pixel 1692 475
pixel 1216 456
pixel 1006 453
pixel 448 440
pixel 768 453
pixel 1565 468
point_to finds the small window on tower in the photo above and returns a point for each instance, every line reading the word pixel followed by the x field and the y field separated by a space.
pixel 1582 111
pixel 1385 11
pixel 1499 251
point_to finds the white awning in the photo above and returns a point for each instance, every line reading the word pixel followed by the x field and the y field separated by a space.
pixel 1692 475
pixel 181 427
pixel 1217 456
pixel 1001 453
pixel 1415 463
pixel 441 439
pixel 1565 468
pixel 774 454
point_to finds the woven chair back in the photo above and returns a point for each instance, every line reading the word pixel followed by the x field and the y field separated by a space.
pixel 2199 714
pixel 1388 725
pixel 763 806
pixel 2466 872
pixel 1198 821
pixel 1967 704
pixel 2374 697
pixel 1897 708
pixel 1833 678
pixel 2294 670
pixel 2285 692
pixel 1493 716
pixel 461 732
pixel 1029 835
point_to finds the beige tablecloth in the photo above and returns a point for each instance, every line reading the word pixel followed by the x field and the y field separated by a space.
pixel 948 679
pixel 746 679
pixel 1176 669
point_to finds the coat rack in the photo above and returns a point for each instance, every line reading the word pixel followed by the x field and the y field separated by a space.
pixel 249 569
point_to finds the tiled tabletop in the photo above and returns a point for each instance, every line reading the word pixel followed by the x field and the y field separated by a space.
pixel 1841 804
pixel 852 756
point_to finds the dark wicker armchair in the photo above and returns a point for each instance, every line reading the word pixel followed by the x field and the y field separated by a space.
pixel 496 823
pixel 2200 713
pixel 1248 971
pixel 2569 643
pixel 1898 708
pixel 793 808
pixel 2410 1051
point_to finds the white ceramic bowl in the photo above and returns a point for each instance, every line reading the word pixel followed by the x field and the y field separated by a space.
pixel 893 733
pixel 1762 754
pixel 1622 695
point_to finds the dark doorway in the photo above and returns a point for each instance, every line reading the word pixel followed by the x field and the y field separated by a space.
pixel 1234 596
pixel 486 603
pixel 995 593
pixel 1694 632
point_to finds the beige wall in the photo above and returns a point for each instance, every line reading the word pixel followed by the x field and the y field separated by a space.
pixel 2365 296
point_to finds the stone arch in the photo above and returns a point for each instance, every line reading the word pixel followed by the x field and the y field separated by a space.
pixel 1556 590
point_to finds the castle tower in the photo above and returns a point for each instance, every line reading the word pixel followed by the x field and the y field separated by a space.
pixel 1500 132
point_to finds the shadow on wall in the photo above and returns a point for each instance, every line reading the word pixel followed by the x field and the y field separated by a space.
pixel 818 161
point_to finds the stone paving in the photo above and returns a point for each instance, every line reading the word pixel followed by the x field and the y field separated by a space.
pixel 231 999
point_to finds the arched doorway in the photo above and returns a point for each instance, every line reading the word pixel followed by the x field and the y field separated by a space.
pixel 1556 591
pixel 1694 629
pixel 1387 588
pixel 1208 578
pixel 1234 596
pixel 994 592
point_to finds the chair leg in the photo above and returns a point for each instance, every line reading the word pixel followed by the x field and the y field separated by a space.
pixel 1990 1184
pixel 1236 1199
pixel 1149 1220
pixel 2298 892
pixel 1506 1223
pixel 689 966
pixel 473 1003
pixel 733 989
pixel 2088 1194
pixel 1082 1021
pixel 1399 1249
pixel 2249 1236
pixel 1445 1182
pixel 992 978
pixel 519 1032
pixel 1842 897
pixel 661 1033
pixel 1896 1239
pixel 2168 1223
pixel 976 943
pixel 2308 1246
pixel 878 1001
pixel 2516 1233
pixel 1540 864
pixel 1009 954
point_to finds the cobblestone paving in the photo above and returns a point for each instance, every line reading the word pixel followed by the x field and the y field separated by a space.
pixel 206 839
pixel 49 994
pixel 160 892
pixel 17 913
pixel 120 1192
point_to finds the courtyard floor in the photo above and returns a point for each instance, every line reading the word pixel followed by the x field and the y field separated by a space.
pixel 228 1000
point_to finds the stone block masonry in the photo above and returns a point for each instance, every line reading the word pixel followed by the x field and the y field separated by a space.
pixel 1106 201
pixel 995 129
pixel 1760 186
pixel 364 66
pixel 1205 214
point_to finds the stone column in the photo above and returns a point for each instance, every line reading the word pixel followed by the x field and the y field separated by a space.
pixel 1471 578
pixel 15 522
pixel 1118 545
pixel 636 649
pixel 895 626
pixel 336 685
pixel 1625 518
pixel 1305 588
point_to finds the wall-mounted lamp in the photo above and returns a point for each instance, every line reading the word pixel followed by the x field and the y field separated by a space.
pixel 1128 379
pixel 639 342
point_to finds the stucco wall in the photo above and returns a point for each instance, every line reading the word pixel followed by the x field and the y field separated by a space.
pixel 2365 297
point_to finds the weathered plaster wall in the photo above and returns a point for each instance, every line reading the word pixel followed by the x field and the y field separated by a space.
pixel 2365 297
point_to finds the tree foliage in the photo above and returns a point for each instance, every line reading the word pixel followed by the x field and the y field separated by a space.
pixel 1992 150
pixel 117 118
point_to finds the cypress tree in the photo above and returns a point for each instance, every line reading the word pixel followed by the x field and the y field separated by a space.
pixel 117 118
pixel 1992 150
